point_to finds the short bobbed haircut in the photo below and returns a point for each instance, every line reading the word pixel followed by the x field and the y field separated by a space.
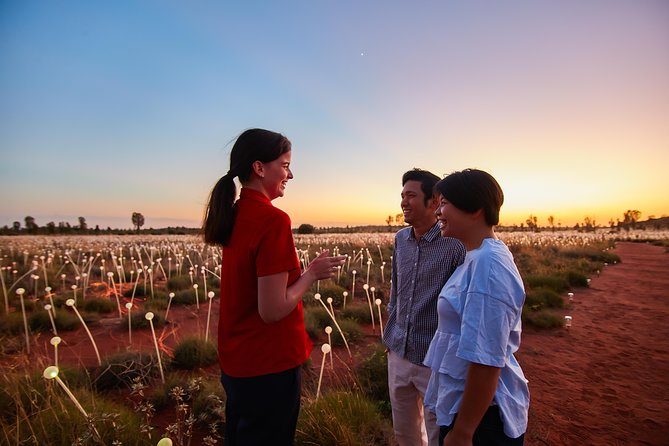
pixel 470 190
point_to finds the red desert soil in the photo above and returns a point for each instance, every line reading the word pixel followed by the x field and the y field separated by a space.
pixel 606 380
pixel 603 382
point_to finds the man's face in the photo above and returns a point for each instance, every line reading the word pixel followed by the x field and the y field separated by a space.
pixel 413 204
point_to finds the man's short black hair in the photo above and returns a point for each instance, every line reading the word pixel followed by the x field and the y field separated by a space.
pixel 427 181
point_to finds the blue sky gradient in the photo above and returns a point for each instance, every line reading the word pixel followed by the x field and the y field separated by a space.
pixel 112 107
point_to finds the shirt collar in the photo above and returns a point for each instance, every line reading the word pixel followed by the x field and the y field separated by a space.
pixel 252 194
pixel 431 235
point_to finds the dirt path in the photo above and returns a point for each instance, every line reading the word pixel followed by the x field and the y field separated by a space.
pixel 606 381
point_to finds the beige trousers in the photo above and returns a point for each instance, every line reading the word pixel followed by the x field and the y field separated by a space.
pixel 407 383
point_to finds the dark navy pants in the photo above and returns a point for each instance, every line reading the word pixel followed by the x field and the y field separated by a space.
pixel 262 410
pixel 490 431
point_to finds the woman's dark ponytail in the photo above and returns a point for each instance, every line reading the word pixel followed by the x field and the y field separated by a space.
pixel 219 216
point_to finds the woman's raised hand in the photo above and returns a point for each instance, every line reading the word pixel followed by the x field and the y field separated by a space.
pixel 324 266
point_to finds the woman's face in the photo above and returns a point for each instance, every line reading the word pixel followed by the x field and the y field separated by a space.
pixel 453 222
pixel 277 173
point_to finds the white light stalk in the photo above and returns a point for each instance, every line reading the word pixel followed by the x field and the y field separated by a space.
pixel 128 306
pixel 20 292
pixel 378 306
pixel 70 303
pixel 317 296
pixel 169 302
pixel 55 341
pixel 149 317
pixel 325 349
pixel 369 302
pixel 328 331
pixel 48 308
pixel 51 372
pixel 197 296
pixel 210 295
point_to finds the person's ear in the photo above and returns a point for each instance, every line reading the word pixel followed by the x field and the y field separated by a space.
pixel 433 203
pixel 258 168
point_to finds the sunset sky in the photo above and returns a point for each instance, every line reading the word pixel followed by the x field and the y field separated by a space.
pixel 112 107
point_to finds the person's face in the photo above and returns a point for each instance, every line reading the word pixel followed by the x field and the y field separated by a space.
pixel 413 205
pixel 453 222
pixel 276 175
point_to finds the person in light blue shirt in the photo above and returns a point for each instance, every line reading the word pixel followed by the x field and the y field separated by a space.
pixel 477 388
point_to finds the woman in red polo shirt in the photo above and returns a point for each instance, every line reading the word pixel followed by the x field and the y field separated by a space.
pixel 262 342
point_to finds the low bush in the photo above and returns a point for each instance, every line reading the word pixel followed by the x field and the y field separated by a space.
pixel 342 418
pixel 351 329
pixel 138 320
pixel 373 378
pixel 64 320
pixel 358 312
pixel 98 305
pixel 194 352
pixel 540 298
pixel 122 369
pixel 577 279
pixel 11 323
pixel 556 283
pixel 181 282
pixel 542 320
pixel 187 297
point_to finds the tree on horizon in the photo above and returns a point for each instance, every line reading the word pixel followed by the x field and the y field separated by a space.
pixel 137 220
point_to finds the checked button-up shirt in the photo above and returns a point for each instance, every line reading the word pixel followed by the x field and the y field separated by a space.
pixel 420 269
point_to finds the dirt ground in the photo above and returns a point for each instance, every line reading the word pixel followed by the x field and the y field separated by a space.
pixel 605 381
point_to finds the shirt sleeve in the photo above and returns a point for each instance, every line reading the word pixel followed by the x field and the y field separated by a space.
pixel 485 330
pixel 276 249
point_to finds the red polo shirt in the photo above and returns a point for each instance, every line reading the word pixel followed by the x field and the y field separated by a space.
pixel 261 245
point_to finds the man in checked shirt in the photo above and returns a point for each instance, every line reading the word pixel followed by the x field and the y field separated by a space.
pixel 422 262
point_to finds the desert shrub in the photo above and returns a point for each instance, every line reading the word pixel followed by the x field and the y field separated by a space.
pixel 311 323
pixel 28 304
pixel 194 352
pixel 11 323
pixel 351 329
pixel 160 397
pixel 120 370
pixel 209 403
pixel 316 319
pixel 65 321
pixel 181 282
pixel 539 298
pixel 358 312
pixel 542 319
pixel 187 297
pixel 594 254
pixel 24 394
pixel 155 305
pixel 556 283
pixel 137 292
pixel 373 378
pixel 576 279
pixel 98 305
pixel 327 288
pixel 342 418
pixel 138 320
pixel 60 423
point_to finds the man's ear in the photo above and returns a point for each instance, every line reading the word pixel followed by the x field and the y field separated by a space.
pixel 433 203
